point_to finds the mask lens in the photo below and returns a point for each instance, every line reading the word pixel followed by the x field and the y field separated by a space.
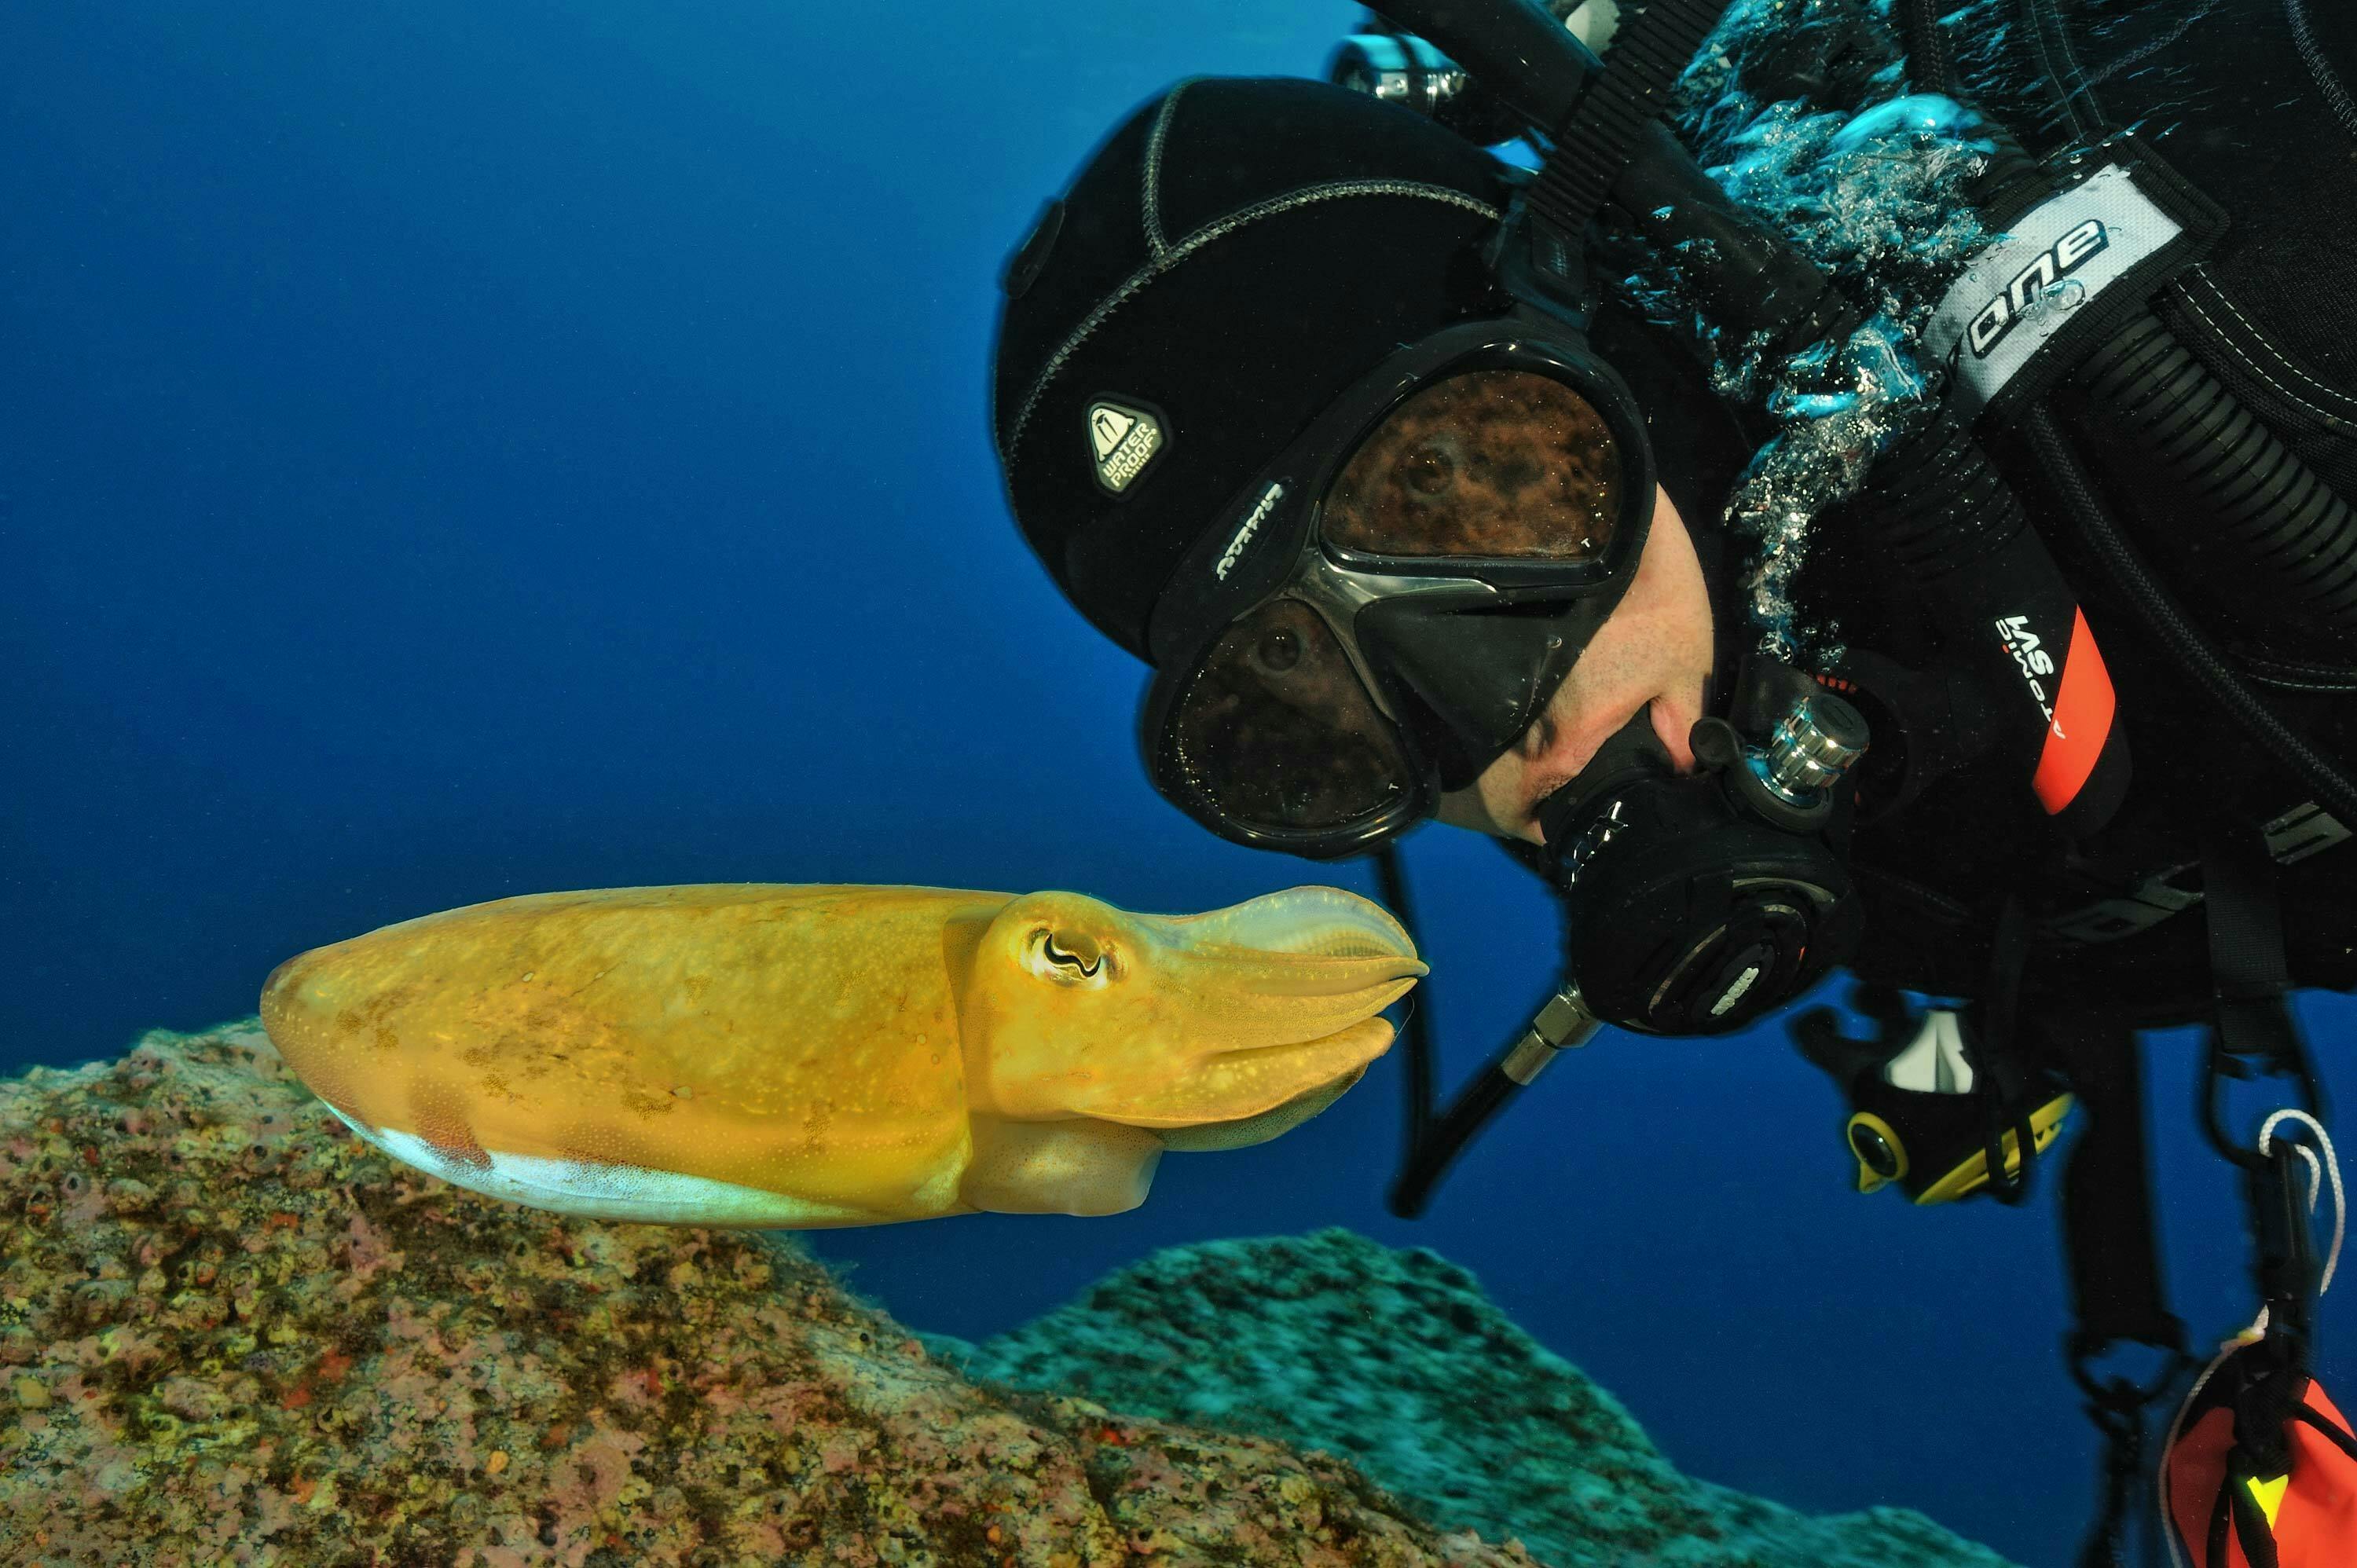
pixel 1496 463
pixel 1275 731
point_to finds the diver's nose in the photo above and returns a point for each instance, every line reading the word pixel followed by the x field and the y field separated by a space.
pixel 1675 731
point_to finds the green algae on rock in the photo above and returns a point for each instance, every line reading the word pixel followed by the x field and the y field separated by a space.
pixel 232 1333
pixel 1397 1361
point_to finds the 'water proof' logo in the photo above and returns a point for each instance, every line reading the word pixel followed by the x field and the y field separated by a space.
pixel 1992 321
pixel 1123 440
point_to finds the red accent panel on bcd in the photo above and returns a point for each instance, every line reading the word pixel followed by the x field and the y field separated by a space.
pixel 2082 718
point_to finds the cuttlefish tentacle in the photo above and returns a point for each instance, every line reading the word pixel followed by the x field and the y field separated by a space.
pixel 792 1057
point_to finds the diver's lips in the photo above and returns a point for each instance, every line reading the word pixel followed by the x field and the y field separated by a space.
pixel 1542 781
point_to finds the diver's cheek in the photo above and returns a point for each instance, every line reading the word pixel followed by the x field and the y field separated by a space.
pixel 1671 611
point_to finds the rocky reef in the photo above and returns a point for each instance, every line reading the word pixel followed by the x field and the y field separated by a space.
pixel 232 1333
pixel 1397 1361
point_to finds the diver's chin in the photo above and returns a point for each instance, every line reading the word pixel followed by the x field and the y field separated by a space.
pixel 1466 808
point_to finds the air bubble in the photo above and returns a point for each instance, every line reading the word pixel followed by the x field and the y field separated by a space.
pixel 1876 196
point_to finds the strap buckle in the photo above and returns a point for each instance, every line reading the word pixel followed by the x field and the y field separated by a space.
pixel 2259 1039
pixel 2253 1033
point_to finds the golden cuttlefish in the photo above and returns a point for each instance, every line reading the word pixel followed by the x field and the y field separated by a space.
pixel 773 1056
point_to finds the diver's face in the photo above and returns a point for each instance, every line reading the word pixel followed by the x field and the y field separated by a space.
pixel 1654 648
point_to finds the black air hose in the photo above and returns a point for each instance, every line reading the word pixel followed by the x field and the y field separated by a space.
pixel 2285 550
pixel 1939 502
pixel 1927 60
pixel 2333 788
pixel 2274 543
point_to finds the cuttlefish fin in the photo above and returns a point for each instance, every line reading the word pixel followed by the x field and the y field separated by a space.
pixel 1057 1167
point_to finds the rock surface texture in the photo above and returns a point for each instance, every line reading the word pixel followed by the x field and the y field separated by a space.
pixel 1397 1361
pixel 232 1332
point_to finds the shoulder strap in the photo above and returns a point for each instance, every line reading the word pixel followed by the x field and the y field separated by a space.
pixel 2109 1229
pixel 2253 1033
pixel 1649 50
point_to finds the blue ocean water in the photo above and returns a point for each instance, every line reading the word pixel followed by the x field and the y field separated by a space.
pixel 450 452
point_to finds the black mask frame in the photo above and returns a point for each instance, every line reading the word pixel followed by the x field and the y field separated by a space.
pixel 1458 654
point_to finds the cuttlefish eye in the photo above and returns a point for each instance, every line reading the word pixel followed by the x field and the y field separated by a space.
pixel 1073 957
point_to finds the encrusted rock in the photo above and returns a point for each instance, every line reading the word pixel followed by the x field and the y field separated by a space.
pixel 1397 1361
pixel 234 1333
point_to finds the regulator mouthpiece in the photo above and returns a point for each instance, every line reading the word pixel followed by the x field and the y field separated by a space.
pixel 1696 904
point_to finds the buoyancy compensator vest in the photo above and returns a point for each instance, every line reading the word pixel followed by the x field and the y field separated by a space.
pixel 2158 347
pixel 2141 354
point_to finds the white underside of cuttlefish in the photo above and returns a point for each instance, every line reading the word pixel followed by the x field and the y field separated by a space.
pixel 785 1057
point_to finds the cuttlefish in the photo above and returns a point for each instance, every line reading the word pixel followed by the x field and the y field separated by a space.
pixel 786 1056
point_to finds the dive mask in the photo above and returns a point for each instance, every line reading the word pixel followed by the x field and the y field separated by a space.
pixel 1385 609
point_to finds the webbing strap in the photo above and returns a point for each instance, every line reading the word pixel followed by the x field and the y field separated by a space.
pixel 2111 1248
pixel 2118 1413
pixel 2000 1074
pixel 1650 48
pixel 2108 1226
pixel 2248 973
pixel 2252 1032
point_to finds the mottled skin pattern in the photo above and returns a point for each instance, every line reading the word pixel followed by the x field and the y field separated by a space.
pixel 780 1056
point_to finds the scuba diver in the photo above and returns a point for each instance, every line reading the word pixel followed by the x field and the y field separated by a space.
pixel 1978 616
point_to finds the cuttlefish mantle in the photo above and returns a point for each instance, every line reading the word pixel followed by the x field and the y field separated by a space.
pixel 774 1055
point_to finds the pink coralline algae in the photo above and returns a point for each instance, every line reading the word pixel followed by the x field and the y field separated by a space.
pixel 232 1332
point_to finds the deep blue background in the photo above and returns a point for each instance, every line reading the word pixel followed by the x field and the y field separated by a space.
pixel 450 451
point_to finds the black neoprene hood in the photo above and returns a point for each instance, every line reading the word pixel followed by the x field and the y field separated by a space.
pixel 1232 257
